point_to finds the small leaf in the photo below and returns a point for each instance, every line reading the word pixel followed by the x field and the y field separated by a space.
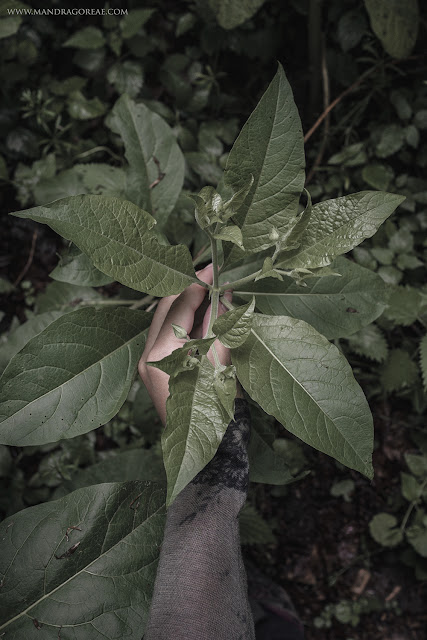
pixel 343 488
pixel 179 332
pixel 301 379
pixel 336 226
pixel 404 306
pixel 110 557
pixel 270 148
pixel 395 22
pixel 225 388
pixel 265 464
pixel 370 343
pixel 233 327
pixel 384 530
pixel 181 359
pixel 417 464
pixel 253 528
pixel 411 489
pixel 268 271
pixel 231 14
pixel 399 371
pixel 195 425
pixel 72 377
pixel 80 108
pixel 233 234
pixel 118 238
pixel 87 38
pixel 417 533
pixel 134 20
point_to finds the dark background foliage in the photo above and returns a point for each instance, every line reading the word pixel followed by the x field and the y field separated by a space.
pixel 352 572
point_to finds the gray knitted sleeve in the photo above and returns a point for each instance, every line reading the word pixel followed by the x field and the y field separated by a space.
pixel 200 591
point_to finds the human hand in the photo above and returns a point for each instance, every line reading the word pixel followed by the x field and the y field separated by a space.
pixel 161 340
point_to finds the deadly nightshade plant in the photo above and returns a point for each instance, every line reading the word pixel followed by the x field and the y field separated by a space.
pixel 293 292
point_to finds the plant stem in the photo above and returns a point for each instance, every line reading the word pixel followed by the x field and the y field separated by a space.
pixel 238 283
pixel 227 303
pixel 215 288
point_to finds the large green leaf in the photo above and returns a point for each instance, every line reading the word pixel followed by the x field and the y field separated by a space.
pixel 270 147
pixel 395 22
pixel 19 337
pixel 119 239
pixel 76 268
pixel 305 382
pixel 147 139
pixel 337 306
pixel 336 226
pixel 195 425
pixel 94 581
pixel 72 377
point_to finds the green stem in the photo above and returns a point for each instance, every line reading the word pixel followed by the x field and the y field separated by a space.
pixel 227 303
pixel 215 288
pixel 238 283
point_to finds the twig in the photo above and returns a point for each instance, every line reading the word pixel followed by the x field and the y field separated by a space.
pixel 29 261
pixel 160 176
pixel 326 98
pixel 351 88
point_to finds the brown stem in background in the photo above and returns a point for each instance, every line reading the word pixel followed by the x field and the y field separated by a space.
pixel 29 261
pixel 326 98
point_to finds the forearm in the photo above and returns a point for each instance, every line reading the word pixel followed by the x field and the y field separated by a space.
pixel 200 591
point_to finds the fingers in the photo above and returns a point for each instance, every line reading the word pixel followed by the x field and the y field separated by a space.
pixel 178 310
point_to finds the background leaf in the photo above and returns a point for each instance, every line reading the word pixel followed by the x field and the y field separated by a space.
pixel 72 377
pixel 76 268
pixel 147 137
pixel 395 22
pixel 301 379
pixel 99 590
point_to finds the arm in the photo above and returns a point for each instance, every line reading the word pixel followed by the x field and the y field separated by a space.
pixel 200 591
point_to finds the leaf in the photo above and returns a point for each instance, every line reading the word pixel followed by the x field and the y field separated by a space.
pixel 378 176
pixel 265 464
pixel 233 234
pixel 270 147
pixel 383 528
pixel 336 226
pixel 411 489
pixel 95 581
pixel 395 23
pixel 87 38
pixel 404 306
pixel 353 155
pixel 399 371
pixel 343 488
pixel 62 296
pixel 391 140
pixel 133 21
pixel 76 268
pixel 18 338
pixel 305 382
pixel 253 528
pixel 102 179
pixel 370 343
pixel 327 303
pixel 225 388
pixel 118 238
pixel 127 77
pixel 195 425
pixel 233 327
pixel 417 533
pixel 423 359
pixel 120 466
pixel 148 139
pixel 231 14
pixel 80 108
pixel 417 464
pixel 72 377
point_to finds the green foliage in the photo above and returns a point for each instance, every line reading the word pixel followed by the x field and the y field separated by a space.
pixel 108 520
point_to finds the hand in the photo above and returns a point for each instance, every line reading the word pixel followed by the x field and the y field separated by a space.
pixel 161 340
